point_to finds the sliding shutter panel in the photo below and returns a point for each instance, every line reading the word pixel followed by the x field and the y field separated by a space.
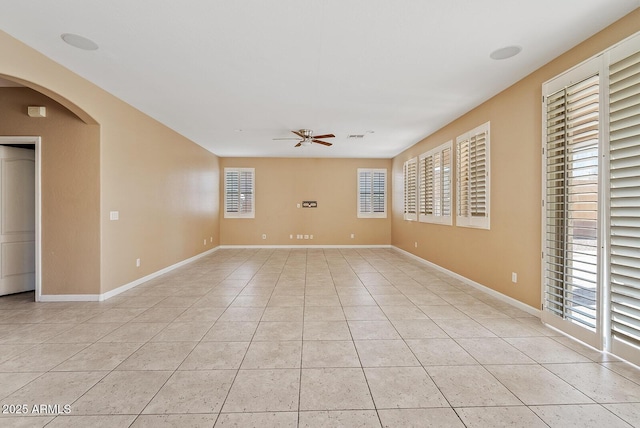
pixel 625 199
pixel 571 208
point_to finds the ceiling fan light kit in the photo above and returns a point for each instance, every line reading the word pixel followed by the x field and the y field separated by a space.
pixel 307 138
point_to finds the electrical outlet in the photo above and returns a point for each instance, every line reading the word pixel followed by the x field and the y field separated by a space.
pixel 204 241
pixel 211 239
pixel 310 236
pixel 290 236
pixel 353 235
pixel 514 277
pixel 264 236
pixel 415 244
pixel 137 262
pixel 306 236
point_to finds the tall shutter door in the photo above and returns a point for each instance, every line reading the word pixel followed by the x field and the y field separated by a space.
pixel 625 199
pixel 571 214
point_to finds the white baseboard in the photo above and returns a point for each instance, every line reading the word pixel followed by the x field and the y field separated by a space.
pixel 510 300
pixel 122 288
pixel 70 298
pixel 227 247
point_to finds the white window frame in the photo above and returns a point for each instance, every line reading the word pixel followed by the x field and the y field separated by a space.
pixel 440 198
pixel 371 213
pixel 240 214
pixel 410 192
pixel 468 219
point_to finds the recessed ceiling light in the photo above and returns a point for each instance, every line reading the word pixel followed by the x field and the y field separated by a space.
pixel 506 52
pixel 79 42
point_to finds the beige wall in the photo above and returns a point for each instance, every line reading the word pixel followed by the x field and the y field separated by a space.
pixel 281 183
pixel 70 192
pixel 164 185
pixel 514 242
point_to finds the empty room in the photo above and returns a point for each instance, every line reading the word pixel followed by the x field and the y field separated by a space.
pixel 319 213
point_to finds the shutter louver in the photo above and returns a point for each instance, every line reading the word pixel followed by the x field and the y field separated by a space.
pixel 624 146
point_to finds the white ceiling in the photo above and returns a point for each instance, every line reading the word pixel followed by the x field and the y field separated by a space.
pixel 232 75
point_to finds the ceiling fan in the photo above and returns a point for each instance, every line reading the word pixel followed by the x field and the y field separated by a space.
pixel 308 138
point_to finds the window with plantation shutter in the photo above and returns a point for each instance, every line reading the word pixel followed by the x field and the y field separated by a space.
pixel 410 189
pixel 624 175
pixel 473 180
pixel 434 194
pixel 372 193
pixel 239 197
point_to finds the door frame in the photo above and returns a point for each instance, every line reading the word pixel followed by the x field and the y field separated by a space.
pixel 38 215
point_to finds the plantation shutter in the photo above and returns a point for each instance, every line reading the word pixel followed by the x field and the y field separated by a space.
pixel 571 247
pixel 624 127
pixel 426 185
pixel 410 189
pixel 446 182
pixel 473 178
pixel 239 192
pixel 435 185
pixel 372 188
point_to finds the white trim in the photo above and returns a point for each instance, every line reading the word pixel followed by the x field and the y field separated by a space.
pixel 510 300
pixel 70 298
pixel 38 214
pixel 228 247
pixel 122 288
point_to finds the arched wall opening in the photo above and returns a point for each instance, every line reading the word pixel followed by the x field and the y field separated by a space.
pixel 69 166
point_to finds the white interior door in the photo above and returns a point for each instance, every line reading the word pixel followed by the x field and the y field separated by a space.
pixel 17 220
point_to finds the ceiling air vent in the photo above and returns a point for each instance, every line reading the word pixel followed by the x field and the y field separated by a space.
pixel 355 136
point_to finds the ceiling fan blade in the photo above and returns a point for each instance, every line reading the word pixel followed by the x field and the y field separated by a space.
pixel 298 145
pixel 324 136
pixel 299 134
pixel 288 138
pixel 321 142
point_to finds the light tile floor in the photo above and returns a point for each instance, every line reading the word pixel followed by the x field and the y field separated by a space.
pixel 302 338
